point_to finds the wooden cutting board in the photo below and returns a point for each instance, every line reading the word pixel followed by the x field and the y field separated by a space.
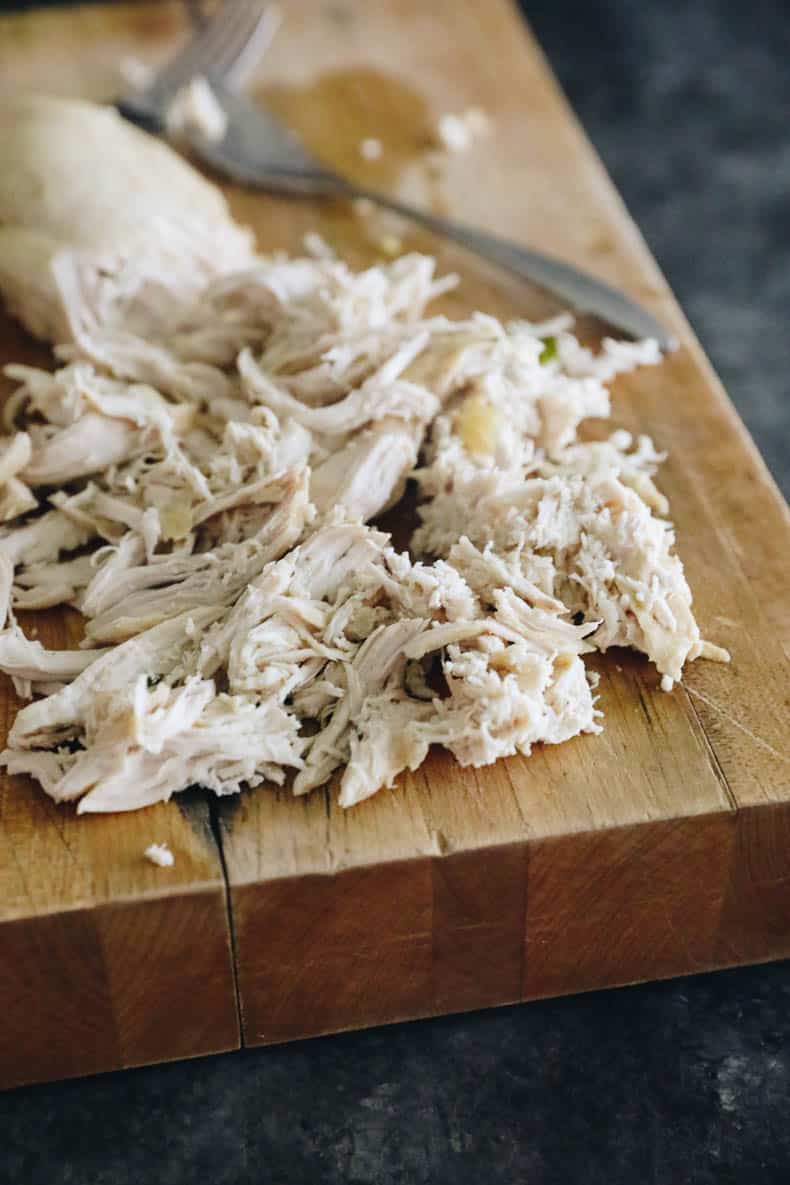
pixel 659 848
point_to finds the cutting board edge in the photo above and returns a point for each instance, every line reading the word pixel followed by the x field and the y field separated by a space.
pixel 102 987
pixel 484 927
pixel 728 809
pixel 533 999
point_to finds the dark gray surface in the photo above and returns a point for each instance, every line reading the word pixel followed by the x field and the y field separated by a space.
pixel 681 1084
pixel 688 103
pixel 670 1084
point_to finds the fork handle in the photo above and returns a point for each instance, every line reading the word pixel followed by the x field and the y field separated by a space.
pixel 576 288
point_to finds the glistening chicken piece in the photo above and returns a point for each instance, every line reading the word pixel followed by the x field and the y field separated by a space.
pixel 367 476
pixel 15 496
pixel 155 653
pixel 145 595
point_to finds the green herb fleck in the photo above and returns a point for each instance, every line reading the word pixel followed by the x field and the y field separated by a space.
pixel 549 350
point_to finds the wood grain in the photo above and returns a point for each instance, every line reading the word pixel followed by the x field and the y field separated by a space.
pixel 657 849
pixel 105 960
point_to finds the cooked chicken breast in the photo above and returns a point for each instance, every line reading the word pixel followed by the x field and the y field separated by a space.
pixel 145 227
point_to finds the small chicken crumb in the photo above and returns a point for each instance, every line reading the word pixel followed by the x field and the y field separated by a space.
pixel 364 207
pixel 160 854
pixel 196 108
pixel 316 246
pixel 135 73
pixel 714 653
pixel 370 148
pixel 457 132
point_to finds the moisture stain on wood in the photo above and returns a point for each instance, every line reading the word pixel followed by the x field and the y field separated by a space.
pixel 342 108
pixel 335 113
pixel 331 116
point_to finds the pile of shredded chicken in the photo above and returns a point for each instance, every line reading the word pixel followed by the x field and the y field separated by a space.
pixel 198 484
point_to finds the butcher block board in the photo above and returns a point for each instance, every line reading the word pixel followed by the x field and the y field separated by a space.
pixel 659 848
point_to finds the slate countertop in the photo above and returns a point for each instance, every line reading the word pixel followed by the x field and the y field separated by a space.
pixel 685 1083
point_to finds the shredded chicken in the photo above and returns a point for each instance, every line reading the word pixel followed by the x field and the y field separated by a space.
pixel 457 132
pixel 580 522
pixel 198 475
pixel 15 496
pixel 370 148
pixel 196 108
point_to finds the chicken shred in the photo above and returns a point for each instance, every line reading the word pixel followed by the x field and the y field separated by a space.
pixel 159 854
pixel 198 477
pixel 197 108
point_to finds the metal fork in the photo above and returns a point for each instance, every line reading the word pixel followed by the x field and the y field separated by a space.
pixel 256 150
pixel 228 47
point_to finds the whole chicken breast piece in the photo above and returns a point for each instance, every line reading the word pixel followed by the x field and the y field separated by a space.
pixel 57 194
pixel 58 148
